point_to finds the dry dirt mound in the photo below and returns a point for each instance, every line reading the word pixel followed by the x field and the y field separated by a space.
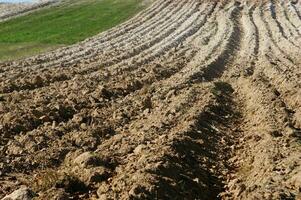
pixel 188 100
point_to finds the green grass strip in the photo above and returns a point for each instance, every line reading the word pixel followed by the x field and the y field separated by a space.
pixel 64 24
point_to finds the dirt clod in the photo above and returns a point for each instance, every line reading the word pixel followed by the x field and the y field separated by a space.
pixel 187 100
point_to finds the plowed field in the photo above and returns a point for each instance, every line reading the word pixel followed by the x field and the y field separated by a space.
pixel 190 99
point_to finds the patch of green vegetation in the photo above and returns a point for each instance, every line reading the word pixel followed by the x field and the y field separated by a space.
pixel 63 24
pixel 9 51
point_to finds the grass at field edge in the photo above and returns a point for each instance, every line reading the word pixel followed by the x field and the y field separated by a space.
pixel 63 24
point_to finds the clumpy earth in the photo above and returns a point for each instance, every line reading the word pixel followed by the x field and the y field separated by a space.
pixel 190 99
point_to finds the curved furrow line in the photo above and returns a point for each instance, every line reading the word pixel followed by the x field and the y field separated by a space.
pixel 228 49
pixel 212 49
pixel 252 33
pixel 248 87
pixel 270 47
pixel 37 69
pixel 184 31
pixel 161 123
pixel 130 25
pixel 125 39
pixel 123 28
pixel 293 27
pixel 184 50
pixel 130 43
pixel 158 21
pixel 154 34
pixel 202 38
pixel 274 22
pixel 206 33
pixel 191 13
pixel 180 39
pixel 215 47
pixel 245 62
pixel 264 125
pixel 181 50
pixel 244 66
pixel 256 32
pixel 174 8
pixel 216 50
pixel 283 74
pixel 294 17
pixel 189 38
pixel 287 82
pixel 206 105
pixel 292 33
pixel 39 120
pixel 161 13
pixel 30 62
pixel 273 12
pixel 269 50
pixel 216 68
pixel 269 40
pixel 182 15
pixel 255 44
pixel 102 37
pixel 296 10
pixel 179 34
pixel 98 83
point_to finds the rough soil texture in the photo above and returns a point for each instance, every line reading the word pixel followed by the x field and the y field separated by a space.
pixel 10 10
pixel 189 99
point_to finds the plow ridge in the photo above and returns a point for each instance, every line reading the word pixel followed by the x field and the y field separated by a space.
pixel 187 100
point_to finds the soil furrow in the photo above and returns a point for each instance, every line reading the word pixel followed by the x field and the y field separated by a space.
pixel 187 100
pixel 144 46
pixel 293 27
pixel 283 26
pixel 9 87
pixel 74 54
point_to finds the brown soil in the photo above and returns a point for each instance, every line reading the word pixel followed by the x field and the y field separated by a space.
pixel 188 100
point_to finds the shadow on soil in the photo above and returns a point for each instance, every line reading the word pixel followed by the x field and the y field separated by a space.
pixel 194 167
